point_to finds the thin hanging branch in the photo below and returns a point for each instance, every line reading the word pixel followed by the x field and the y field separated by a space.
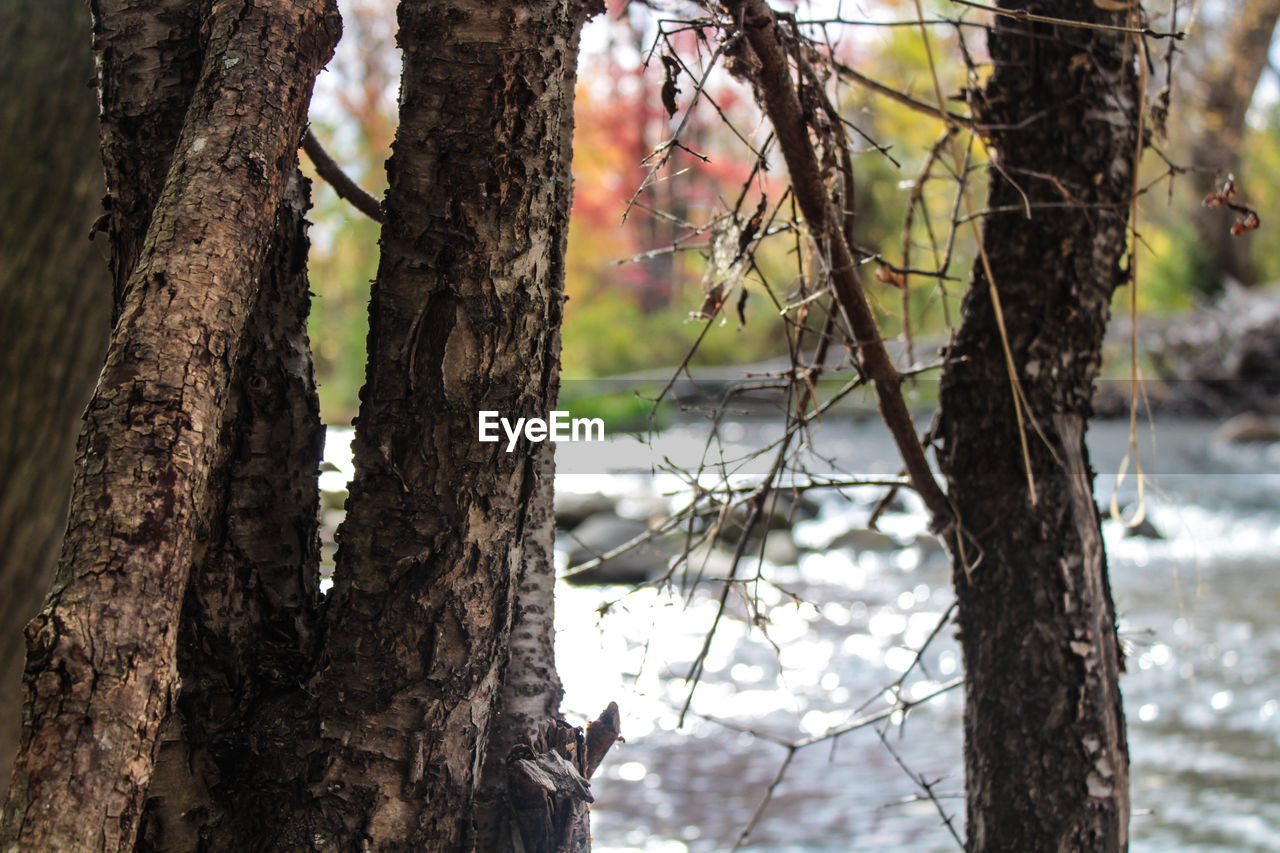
pixel 346 188
pixel 782 104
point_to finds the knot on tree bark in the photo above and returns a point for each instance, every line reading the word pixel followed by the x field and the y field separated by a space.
pixel 547 782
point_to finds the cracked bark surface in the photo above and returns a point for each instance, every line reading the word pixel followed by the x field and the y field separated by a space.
pixel 252 603
pixel 463 317
pixel 252 606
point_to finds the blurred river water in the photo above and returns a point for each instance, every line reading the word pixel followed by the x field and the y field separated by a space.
pixel 811 643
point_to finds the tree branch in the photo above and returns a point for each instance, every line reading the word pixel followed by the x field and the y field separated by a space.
pixel 782 104
pixel 347 189
pixel 901 97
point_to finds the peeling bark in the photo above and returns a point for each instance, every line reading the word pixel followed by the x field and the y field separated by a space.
pixel 547 786
pixel 1045 750
pixel 101 655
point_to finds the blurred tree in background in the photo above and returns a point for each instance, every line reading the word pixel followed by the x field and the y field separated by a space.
pixel 632 294
pixel 55 304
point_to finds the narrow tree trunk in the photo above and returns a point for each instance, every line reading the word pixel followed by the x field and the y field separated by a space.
pixel 1045 751
pixel 531 746
pixel 54 305
pixel 101 669
pixel 529 707
pixel 1240 59
pixel 463 318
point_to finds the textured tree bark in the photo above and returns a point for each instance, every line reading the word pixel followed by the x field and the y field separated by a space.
pixel 55 303
pixel 253 599
pixel 149 59
pixel 528 710
pixel 1045 749
pixel 1240 59
pixel 253 602
pixel 531 688
pixel 100 672
pixel 463 317
pixel 535 787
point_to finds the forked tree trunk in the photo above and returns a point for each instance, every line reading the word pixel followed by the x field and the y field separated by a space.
pixel 101 663
pixel 1045 750
pixel 55 305
pixel 252 602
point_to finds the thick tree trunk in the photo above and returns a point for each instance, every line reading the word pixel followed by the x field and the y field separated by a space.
pixel 253 601
pixel 463 318
pixel 1226 91
pixel 1045 750
pixel 55 305
pixel 101 662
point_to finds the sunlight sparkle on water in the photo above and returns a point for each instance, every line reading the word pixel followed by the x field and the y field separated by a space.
pixel 632 771
pixel 899 659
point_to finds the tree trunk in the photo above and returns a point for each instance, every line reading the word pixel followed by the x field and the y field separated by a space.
pixel 529 706
pixel 54 305
pixel 101 662
pixel 531 688
pixel 463 318
pixel 1240 59
pixel 253 599
pixel 149 60
pixel 253 602
pixel 1045 750
pixel 531 746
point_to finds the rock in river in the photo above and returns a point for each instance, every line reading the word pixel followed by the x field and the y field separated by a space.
pixel 603 532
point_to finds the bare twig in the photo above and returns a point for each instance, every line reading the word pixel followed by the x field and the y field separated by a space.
pixel 343 185
pixel 903 98
pixel 1022 15
pixel 926 786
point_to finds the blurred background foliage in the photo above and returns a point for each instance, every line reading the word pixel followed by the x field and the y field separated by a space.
pixel 638 242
